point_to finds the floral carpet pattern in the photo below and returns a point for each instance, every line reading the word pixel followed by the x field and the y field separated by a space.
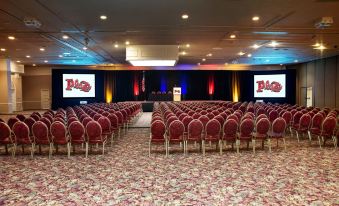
pixel 302 175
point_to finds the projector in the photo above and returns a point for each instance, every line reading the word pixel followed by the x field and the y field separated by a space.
pixel 32 22
pixel 324 22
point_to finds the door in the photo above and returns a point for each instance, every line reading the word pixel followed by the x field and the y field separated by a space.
pixel 309 97
pixel 45 101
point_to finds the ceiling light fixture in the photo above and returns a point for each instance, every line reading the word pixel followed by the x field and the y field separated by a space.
pixel 65 37
pixel 18 61
pixel 3 49
pixel 127 42
pixel 296 61
pixel 203 59
pixel 209 54
pixel 28 56
pixel 60 56
pixel 153 62
pixel 33 65
pixel 249 55
pixel 241 53
pixel 188 45
pixel 255 18
pixel 11 37
pixel 316 45
pixel 184 16
pixel 67 53
pixel 233 36
pixel 274 44
pixel 255 46
pixel 103 17
pixel 116 45
pixel 84 48
pixel 46 61
pixel 42 49
pixel 183 53
pixel 321 47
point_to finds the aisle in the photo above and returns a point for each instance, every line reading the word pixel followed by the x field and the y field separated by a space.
pixel 144 121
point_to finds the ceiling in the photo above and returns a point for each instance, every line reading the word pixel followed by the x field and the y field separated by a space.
pixel 158 22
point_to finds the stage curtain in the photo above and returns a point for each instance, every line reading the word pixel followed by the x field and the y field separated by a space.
pixel 110 86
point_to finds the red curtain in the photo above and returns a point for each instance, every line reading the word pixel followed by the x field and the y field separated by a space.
pixel 211 85
pixel 136 85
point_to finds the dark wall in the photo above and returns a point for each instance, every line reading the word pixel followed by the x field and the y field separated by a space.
pixel 323 76
pixel 59 101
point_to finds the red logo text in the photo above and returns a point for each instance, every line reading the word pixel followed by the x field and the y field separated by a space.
pixel 273 86
pixel 75 84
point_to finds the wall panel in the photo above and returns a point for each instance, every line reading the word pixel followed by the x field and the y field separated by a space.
pixel 319 84
pixel 330 78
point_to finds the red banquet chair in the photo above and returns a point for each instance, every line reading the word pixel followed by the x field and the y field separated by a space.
pixel 304 125
pixel 29 122
pixel 194 133
pixel 60 136
pixel 287 116
pixel 6 137
pixel 296 120
pixel 277 132
pixel 77 134
pixel 262 128
pixel 327 131
pixel 94 136
pixel 230 129
pixel 175 134
pixel 245 132
pixel 21 117
pixel 186 122
pixel 22 137
pixel 11 121
pixel 41 136
pixel 106 127
pixel 212 134
pixel 315 128
pixel 157 135
pixel 114 125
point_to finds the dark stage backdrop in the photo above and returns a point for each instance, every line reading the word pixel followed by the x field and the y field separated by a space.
pixel 120 86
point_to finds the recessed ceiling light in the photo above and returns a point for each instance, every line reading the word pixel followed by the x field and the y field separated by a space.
pixel 3 49
pixel 249 55
pixel 203 59
pixel 209 54
pixel 84 48
pixel 42 49
pixel 320 47
pixel 46 61
pixel 183 53
pixel 28 56
pixel 188 45
pixel 241 53
pixel 184 16
pixel 73 61
pixel 233 36
pixel 103 17
pixel 127 42
pixel 296 60
pixel 60 56
pixel 116 45
pixel 281 64
pixel 255 18
pixel 67 53
pixel 316 44
pixel 11 37
pixel 267 60
pixel 18 61
pixel 33 65
pixel 274 44
pixel 255 46
pixel 65 37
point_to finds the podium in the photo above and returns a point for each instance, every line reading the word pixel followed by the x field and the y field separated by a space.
pixel 176 94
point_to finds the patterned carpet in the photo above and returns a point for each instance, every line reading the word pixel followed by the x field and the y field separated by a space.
pixel 143 121
pixel 303 175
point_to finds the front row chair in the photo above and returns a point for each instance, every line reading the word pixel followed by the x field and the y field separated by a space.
pixel 22 137
pixel 157 135
pixel 94 135
pixel 277 132
pixel 327 131
pixel 60 136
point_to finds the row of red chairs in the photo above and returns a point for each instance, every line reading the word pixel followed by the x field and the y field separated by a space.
pixel 209 121
pixel 89 124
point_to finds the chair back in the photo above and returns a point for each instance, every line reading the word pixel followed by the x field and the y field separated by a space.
pixel 296 117
pixel 273 115
pixel 94 132
pixel 77 132
pixel 114 121
pixel 158 130
pixel 278 127
pixel 40 133
pixel 105 124
pixel 29 122
pixel 246 128
pixel 204 119
pixel 328 126
pixel 287 117
pixel 262 126
pixel 212 129
pixel 21 117
pixel 59 133
pixel 305 121
pixel 21 133
pixel 195 129
pixel 5 133
pixel 11 121
pixel 176 130
pixel 186 121
pixel 230 129
pixel 317 121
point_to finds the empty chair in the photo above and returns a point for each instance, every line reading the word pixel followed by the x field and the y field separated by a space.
pixel 204 119
pixel 245 132
pixel 316 123
pixel 94 135
pixel 194 133
pixel 114 125
pixel 175 134
pixel 327 131
pixel 60 136
pixel 77 134
pixel 97 116
pixel 287 117
pixel 212 134
pixel 186 122
pixel 278 131
pixel 41 136
pixel 1 120
pixel 29 122
pixel 230 129
pixel 21 117
pixel 261 132
pixel 296 120
pixel 273 115
pixel 35 116
pixel 6 137
pixel 46 121
pixel 233 116
pixel 105 127
pixel 84 121
pixel 11 121
pixel 304 125
pixel 157 135
pixel 22 137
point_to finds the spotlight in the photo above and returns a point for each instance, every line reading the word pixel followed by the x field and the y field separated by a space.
pixel 255 18
pixel 184 16
pixel 103 17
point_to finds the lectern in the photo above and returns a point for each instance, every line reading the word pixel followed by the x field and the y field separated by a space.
pixel 176 94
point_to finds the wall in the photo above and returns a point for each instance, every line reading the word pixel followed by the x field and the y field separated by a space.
pixel 323 76
pixel 33 81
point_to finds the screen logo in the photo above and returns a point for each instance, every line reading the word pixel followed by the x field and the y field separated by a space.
pixel 75 84
pixel 274 86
